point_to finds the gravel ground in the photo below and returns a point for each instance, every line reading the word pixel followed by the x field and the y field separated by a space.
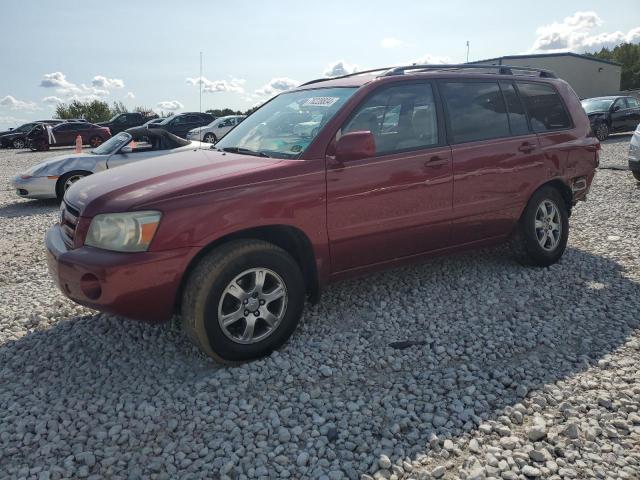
pixel 509 373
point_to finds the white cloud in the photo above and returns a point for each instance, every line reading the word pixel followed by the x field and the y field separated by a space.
pixel 170 105
pixel 55 80
pixel 276 86
pixel 101 81
pixel 428 59
pixel 393 42
pixel 69 91
pixel 14 104
pixel 574 34
pixel 340 68
pixel 130 95
pixel 235 85
pixel 52 100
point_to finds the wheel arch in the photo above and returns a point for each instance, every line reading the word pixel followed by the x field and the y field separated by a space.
pixel 563 189
pixel 291 239
pixel 62 177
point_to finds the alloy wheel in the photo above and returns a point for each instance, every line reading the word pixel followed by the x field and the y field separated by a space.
pixel 18 143
pixel 548 225
pixel 252 306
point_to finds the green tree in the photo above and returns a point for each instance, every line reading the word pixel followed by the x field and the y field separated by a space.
pixel 94 111
pixel 627 54
pixel 118 107
pixel 223 112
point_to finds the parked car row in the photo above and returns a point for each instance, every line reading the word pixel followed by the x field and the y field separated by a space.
pixel 333 179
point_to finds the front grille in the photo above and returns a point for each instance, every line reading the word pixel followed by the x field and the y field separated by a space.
pixel 68 222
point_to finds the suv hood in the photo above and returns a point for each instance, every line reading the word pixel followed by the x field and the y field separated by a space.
pixel 147 182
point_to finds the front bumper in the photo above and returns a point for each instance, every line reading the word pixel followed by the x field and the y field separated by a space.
pixel 34 187
pixel 142 286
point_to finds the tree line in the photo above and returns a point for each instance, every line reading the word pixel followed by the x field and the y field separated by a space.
pixel 627 54
pixel 99 111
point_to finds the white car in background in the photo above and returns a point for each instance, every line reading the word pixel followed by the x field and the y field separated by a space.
pixel 215 130
pixel 52 178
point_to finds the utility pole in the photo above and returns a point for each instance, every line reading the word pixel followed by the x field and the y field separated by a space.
pixel 467 51
pixel 200 82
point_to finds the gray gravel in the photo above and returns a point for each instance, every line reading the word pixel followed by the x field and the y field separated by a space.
pixel 497 371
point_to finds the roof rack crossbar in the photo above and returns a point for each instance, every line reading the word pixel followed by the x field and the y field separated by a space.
pixel 361 72
pixel 501 69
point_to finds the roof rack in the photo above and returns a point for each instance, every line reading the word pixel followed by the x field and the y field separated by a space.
pixel 362 72
pixel 501 69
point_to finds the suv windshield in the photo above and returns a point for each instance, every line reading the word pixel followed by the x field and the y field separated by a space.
pixel 113 144
pixel 284 127
pixel 596 105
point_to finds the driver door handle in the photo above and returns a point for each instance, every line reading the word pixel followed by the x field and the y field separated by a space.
pixel 526 147
pixel 435 161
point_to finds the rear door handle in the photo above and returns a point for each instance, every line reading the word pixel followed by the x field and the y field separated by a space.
pixel 435 161
pixel 527 147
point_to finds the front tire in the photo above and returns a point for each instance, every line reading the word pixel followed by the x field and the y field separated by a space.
pixel 636 174
pixel 65 181
pixel 210 138
pixel 243 301
pixel 18 143
pixel 602 131
pixel 541 235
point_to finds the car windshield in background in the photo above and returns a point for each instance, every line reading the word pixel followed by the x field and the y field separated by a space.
pixel 596 105
pixel 284 127
pixel 113 144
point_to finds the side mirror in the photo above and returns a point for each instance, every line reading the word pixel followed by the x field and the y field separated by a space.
pixel 616 108
pixel 355 146
pixel 11 129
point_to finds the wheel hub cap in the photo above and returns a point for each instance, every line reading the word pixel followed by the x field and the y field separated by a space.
pixel 252 306
pixel 548 226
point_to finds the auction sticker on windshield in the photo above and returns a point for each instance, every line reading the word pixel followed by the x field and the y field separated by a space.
pixel 321 101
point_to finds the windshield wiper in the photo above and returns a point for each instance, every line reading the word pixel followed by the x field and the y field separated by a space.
pixel 244 151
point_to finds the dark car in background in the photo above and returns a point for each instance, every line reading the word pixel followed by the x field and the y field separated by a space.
pixel 123 121
pixel 65 134
pixel 15 137
pixel 183 122
pixel 613 114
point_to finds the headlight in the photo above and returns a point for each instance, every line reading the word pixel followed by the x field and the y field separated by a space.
pixel 123 232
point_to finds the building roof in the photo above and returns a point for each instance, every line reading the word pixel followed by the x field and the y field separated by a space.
pixel 543 55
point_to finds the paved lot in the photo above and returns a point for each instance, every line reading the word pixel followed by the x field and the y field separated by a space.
pixel 516 372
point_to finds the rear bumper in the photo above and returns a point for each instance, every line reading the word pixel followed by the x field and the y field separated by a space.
pixel 142 286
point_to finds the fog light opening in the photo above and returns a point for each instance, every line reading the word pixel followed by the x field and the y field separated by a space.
pixel 90 286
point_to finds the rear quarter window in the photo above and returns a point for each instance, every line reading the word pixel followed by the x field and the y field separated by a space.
pixel 476 111
pixel 544 106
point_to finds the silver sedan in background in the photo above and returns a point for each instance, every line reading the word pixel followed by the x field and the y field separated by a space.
pixel 52 178
pixel 634 154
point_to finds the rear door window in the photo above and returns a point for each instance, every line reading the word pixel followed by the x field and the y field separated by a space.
pixel 401 118
pixel 544 106
pixel 515 110
pixel 475 110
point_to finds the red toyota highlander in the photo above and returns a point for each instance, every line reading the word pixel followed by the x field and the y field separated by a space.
pixel 334 179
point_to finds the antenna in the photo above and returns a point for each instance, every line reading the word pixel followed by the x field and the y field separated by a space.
pixel 467 51
pixel 200 82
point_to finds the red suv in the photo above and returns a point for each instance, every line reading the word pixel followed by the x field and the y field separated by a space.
pixel 334 179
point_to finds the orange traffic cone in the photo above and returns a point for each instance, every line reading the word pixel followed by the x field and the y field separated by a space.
pixel 78 144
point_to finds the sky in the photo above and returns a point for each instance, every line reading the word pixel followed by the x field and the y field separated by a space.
pixel 147 52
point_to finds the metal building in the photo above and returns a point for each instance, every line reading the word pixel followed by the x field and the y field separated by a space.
pixel 589 77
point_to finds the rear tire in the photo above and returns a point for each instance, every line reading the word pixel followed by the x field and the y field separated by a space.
pixel 541 235
pixel 636 175
pixel 95 141
pixel 66 180
pixel 260 318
